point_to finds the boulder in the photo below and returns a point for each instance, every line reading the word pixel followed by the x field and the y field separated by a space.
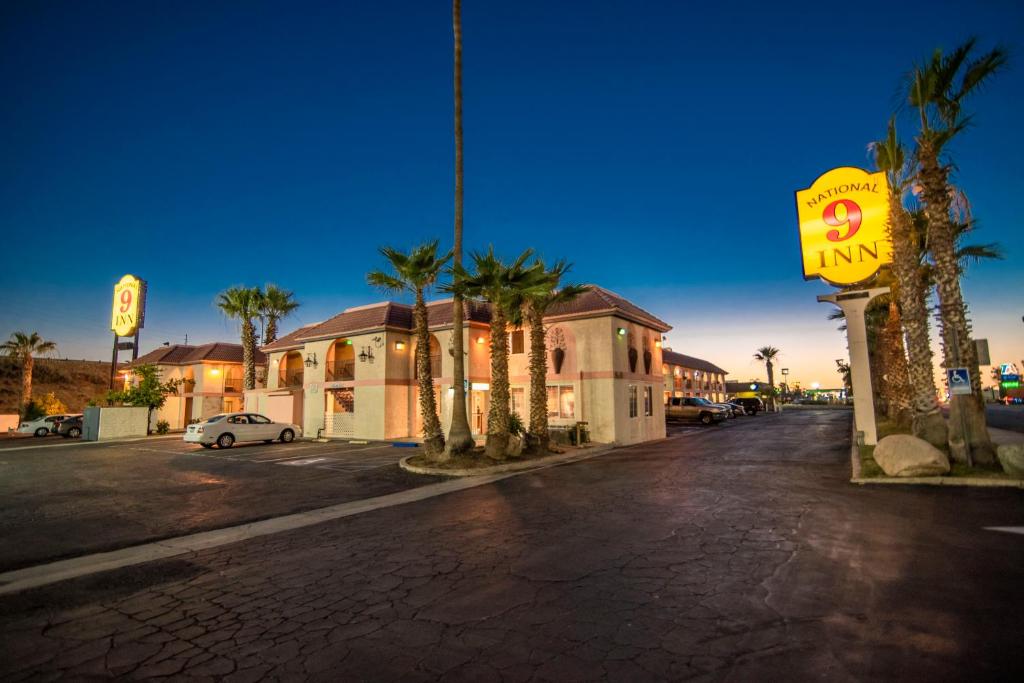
pixel 903 455
pixel 1011 457
pixel 515 446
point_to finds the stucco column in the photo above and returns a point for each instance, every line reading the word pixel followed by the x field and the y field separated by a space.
pixel 853 305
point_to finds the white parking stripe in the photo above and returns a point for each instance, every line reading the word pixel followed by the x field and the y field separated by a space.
pixel 1007 529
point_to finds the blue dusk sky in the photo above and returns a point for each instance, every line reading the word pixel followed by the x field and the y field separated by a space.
pixel 656 145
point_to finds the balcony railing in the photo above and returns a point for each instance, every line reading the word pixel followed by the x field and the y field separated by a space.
pixel 233 385
pixel 341 371
pixel 290 378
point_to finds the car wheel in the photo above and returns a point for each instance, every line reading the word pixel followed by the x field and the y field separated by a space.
pixel 705 418
pixel 287 436
pixel 42 431
pixel 74 432
pixel 225 441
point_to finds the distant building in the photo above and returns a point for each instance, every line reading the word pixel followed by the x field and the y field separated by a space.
pixel 688 376
pixel 750 388
pixel 211 377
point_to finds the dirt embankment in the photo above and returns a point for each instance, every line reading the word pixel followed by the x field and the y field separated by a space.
pixel 74 382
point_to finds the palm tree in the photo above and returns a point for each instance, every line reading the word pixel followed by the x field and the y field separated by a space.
pixel 21 347
pixel 275 303
pixel 506 287
pixel 767 355
pixel 912 292
pixel 535 309
pixel 243 304
pixel 415 272
pixel 843 368
pixel 938 90
pixel 460 438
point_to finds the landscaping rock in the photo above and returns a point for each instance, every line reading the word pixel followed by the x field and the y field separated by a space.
pixel 1011 457
pixel 515 446
pixel 903 455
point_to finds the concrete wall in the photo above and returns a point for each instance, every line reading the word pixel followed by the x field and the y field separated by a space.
pixel 9 422
pixel 101 424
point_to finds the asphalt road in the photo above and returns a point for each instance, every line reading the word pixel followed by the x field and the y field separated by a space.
pixel 739 553
pixel 1005 417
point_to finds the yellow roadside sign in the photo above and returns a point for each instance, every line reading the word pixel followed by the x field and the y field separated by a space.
pixel 129 306
pixel 843 220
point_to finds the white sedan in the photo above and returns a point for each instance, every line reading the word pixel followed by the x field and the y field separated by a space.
pixel 227 428
pixel 43 426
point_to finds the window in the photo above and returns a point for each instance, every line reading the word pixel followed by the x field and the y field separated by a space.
pixel 632 400
pixel 562 401
pixel 517 343
pixel 648 401
pixel 258 420
pixel 519 402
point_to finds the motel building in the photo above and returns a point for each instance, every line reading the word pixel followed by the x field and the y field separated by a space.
pixel 689 376
pixel 354 376
pixel 211 377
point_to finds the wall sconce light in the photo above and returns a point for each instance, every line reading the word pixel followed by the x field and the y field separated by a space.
pixel 215 371
pixel 621 331
pixel 277 361
pixel 479 340
pixel 311 360
pixel 366 354
pixel 399 345
pixel 657 343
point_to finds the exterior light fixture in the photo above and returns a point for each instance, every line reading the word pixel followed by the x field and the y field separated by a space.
pixel 621 331
pixel 215 371
pixel 479 340
pixel 657 343
pixel 277 361
pixel 365 354
pixel 311 360
pixel 399 345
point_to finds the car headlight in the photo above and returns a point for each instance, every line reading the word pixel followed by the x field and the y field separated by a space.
pixel 199 430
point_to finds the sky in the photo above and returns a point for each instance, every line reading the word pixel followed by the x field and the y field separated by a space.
pixel 656 145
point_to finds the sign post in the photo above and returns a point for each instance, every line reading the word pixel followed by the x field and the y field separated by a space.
pixel 127 317
pixel 844 240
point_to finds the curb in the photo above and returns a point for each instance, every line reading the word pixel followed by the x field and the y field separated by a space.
pixel 980 482
pixel 560 458
pixel 102 442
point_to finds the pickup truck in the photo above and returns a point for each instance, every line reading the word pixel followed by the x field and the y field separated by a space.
pixel 693 408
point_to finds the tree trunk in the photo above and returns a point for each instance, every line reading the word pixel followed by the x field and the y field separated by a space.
pixel 498 413
pixel 968 434
pixel 26 381
pixel 248 354
pixel 433 438
pixel 927 422
pixel 270 333
pixel 540 437
pixel 897 380
pixel 460 438
pixel 771 385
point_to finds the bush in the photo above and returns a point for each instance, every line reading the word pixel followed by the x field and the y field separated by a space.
pixel 515 425
pixel 51 405
pixel 33 411
pixel 163 426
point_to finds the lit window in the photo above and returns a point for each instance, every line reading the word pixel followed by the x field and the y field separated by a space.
pixel 562 401
pixel 517 342
pixel 648 401
pixel 519 402
pixel 632 400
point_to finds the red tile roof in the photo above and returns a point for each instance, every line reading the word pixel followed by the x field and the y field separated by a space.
pixel 673 358
pixel 184 354
pixel 600 300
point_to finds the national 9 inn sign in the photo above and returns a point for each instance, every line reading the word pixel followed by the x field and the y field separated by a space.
pixel 843 226
pixel 129 309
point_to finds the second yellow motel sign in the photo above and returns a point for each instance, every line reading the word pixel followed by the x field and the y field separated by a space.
pixel 843 226
pixel 129 306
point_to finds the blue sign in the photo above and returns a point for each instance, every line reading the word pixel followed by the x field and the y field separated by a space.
pixel 959 381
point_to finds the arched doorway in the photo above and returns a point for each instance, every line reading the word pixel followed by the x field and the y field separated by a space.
pixel 290 370
pixel 341 361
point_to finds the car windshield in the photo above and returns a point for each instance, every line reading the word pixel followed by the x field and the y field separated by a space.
pixel 703 401
pixel 215 418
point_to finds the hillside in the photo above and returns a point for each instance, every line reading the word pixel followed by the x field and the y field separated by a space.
pixel 73 381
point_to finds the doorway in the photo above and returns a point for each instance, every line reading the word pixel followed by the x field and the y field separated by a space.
pixel 478 405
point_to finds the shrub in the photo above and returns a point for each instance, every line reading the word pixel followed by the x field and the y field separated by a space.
pixel 33 411
pixel 515 425
pixel 51 405
pixel 163 426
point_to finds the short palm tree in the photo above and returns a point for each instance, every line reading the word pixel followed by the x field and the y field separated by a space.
pixel 275 304
pixel 22 347
pixel 768 355
pixel 534 310
pixel 416 272
pixel 938 90
pixel 243 304
pixel 506 287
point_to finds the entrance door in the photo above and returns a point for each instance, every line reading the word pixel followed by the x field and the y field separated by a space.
pixel 188 411
pixel 478 411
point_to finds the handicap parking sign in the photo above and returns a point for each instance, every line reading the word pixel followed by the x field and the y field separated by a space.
pixel 959 381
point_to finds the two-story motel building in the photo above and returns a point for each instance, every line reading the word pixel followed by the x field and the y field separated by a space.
pixel 689 376
pixel 354 375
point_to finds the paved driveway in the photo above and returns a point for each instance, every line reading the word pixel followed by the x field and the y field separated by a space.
pixel 734 554
pixel 63 501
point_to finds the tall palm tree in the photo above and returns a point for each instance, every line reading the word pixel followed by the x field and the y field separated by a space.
pixel 460 438
pixel 938 90
pixel 243 304
pixel 506 287
pixel 275 303
pixel 768 355
pixel 416 272
pixel 535 309
pixel 22 347
pixel 911 290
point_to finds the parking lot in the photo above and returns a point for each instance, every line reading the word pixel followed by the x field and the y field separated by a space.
pixel 61 498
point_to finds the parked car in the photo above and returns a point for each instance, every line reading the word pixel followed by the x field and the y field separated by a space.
pixel 71 427
pixel 43 426
pixel 693 408
pixel 737 409
pixel 751 405
pixel 227 428
pixel 730 410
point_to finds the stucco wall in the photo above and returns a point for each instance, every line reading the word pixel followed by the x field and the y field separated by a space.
pixel 101 424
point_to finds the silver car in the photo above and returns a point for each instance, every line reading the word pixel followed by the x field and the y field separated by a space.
pixel 227 428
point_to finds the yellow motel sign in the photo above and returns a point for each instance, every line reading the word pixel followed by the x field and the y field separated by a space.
pixel 129 309
pixel 843 219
